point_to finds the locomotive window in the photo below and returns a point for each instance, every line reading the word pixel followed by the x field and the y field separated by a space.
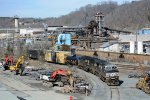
pixel 97 64
pixel 107 68
pixel 103 68
pixel 112 71
pixel 114 67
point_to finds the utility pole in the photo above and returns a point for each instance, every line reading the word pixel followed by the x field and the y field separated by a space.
pixel 136 42
pixel 13 44
pixel 7 36
pixel 85 17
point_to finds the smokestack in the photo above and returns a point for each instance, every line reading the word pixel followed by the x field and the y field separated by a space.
pixel 16 23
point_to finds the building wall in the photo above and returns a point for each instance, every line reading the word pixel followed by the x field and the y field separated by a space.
pixel 24 32
pixel 144 31
pixel 31 31
pixel 148 50
pixel 128 38
pixel 112 48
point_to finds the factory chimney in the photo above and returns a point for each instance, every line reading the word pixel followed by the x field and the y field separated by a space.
pixel 16 23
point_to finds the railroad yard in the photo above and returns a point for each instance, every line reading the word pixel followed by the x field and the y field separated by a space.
pixel 29 88
pixel 79 56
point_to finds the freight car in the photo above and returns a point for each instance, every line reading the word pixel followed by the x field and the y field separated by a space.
pixel 34 54
pixel 106 71
pixel 56 56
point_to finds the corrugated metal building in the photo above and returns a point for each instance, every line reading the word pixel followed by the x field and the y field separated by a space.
pixel 144 31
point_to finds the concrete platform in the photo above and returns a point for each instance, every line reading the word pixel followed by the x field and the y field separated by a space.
pixel 5 94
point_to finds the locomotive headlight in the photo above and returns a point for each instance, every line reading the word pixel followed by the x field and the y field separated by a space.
pixel 117 74
pixel 113 74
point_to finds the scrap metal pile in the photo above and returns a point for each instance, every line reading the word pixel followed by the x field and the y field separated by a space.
pixel 36 73
pixel 79 86
pixel 140 72
pixel 65 79
pixel 136 75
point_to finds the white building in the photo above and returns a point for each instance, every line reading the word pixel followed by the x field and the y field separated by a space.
pixel 110 47
pixel 135 41
pixel 31 31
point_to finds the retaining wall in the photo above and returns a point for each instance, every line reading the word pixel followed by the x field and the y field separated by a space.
pixel 113 56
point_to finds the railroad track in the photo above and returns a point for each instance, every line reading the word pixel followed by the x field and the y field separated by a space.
pixel 99 88
pixel 114 93
pixel 130 66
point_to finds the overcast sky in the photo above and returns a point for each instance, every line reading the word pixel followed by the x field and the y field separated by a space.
pixel 43 8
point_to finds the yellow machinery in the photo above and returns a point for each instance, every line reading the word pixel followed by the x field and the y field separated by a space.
pixel 17 66
pixel 144 84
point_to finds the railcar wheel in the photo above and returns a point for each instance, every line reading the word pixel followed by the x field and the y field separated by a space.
pixel 91 71
pixel 117 83
pixel 108 83
pixel 95 73
pixel 102 78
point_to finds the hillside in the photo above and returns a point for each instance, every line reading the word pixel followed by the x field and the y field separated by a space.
pixel 128 16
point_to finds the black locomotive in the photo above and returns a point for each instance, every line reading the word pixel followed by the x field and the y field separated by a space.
pixel 106 71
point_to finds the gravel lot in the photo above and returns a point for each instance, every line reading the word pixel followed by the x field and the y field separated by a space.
pixel 30 89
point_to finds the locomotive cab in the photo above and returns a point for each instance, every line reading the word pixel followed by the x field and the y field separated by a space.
pixel 111 73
